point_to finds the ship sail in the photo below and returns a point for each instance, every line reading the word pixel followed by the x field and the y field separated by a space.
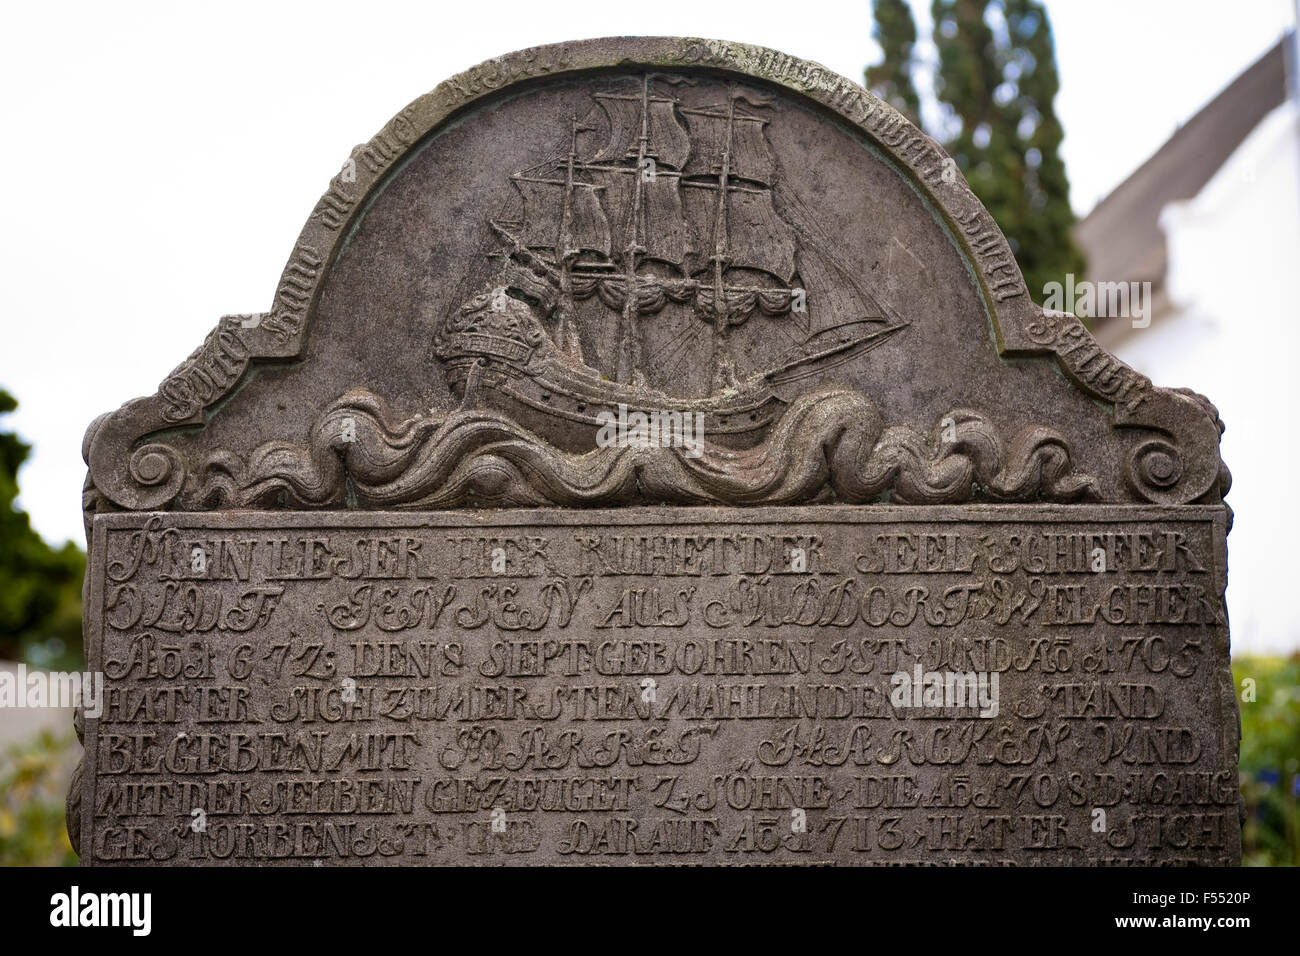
pixel 661 233
pixel 840 299
pixel 544 217
pixel 667 142
pixel 748 156
pixel 757 238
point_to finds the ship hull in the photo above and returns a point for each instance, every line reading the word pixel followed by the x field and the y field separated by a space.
pixel 568 405
pixel 569 409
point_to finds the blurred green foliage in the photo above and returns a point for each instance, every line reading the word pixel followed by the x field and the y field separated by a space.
pixel 1270 758
pixel 33 784
pixel 40 586
pixel 891 78
pixel 995 84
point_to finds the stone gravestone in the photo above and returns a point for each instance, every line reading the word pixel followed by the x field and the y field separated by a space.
pixel 652 454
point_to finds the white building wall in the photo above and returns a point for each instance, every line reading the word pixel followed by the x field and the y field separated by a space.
pixel 1234 267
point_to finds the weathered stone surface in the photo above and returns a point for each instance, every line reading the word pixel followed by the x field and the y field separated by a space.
pixel 359 597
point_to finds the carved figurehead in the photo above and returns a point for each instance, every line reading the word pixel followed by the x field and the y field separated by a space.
pixel 502 324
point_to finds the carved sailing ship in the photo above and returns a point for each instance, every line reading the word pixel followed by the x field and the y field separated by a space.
pixel 661 213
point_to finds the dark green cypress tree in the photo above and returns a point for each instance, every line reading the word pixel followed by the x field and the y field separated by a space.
pixel 40 586
pixel 996 82
pixel 891 78
pixel 1043 220
pixel 972 125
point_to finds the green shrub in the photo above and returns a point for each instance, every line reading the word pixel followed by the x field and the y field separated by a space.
pixel 1270 757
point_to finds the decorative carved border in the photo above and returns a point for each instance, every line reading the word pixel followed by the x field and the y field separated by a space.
pixel 129 471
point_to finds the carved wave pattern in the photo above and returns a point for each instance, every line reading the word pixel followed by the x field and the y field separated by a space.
pixel 829 445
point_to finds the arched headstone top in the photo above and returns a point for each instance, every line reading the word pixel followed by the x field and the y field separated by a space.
pixel 666 226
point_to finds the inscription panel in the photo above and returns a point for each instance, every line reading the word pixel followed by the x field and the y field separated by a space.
pixel 986 685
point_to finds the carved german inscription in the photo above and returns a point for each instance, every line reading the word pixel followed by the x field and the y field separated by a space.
pixel 869 686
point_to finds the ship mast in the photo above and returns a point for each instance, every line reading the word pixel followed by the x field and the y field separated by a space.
pixel 724 372
pixel 627 366
pixel 565 332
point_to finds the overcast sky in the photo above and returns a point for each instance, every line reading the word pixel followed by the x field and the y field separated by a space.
pixel 161 158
